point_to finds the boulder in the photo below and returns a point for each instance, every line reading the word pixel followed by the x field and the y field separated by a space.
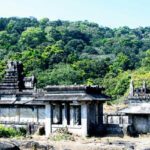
pixel 8 146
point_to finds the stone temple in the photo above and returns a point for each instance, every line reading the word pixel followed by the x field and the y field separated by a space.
pixel 77 107
pixel 138 111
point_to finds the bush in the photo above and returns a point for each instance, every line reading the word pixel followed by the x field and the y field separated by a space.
pixel 11 132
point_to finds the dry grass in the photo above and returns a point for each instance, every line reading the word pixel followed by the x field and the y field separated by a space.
pixel 113 107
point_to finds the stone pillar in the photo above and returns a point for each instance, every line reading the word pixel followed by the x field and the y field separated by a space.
pixel 130 121
pixel 17 114
pixel 71 116
pixel 48 119
pixel 92 114
pixel 100 113
pixel 35 116
pixel 65 115
pixel 84 119
pixel 77 115
pixel 57 114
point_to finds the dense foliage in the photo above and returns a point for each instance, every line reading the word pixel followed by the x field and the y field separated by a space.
pixel 82 52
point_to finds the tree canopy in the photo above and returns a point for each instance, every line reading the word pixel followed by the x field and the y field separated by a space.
pixel 81 52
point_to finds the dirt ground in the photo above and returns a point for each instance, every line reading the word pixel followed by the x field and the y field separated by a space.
pixel 105 143
pixel 93 143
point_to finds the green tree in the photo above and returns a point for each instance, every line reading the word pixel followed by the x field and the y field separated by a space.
pixel 122 63
pixel 74 46
pixel 65 74
pixel 53 34
pixel 4 40
pixel 2 69
pixel 146 60
pixel 31 60
pixel 44 22
pixel 51 55
pixel 31 37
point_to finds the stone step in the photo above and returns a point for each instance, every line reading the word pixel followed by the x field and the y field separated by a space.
pixel 9 87
pixel 11 77
pixel 9 84
pixel 10 80
pixel 8 91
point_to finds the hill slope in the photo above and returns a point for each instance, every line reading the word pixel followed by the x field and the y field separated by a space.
pixel 82 52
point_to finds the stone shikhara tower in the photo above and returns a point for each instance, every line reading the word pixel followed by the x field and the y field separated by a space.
pixel 14 81
pixel 77 107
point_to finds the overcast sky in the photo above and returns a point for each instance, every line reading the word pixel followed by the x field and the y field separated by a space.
pixel 111 13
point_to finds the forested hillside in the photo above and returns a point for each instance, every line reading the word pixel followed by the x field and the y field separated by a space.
pixel 63 52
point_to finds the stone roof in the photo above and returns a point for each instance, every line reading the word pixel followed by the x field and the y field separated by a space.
pixel 136 109
pixel 89 89
pixel 139 97
pixel 74 93
pixel 15 92
pixel 74 97
pixel 24 102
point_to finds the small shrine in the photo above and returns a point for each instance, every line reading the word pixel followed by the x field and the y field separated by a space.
pixel 138 110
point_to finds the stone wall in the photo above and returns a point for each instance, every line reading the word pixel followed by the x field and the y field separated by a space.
pixel 115 119
pixel 35 116
pixel 115 123
pixel 140 123
pixel 31 114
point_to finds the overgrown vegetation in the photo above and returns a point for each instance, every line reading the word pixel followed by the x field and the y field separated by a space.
pixel 10 132
pixel 82 52
pixel 62 134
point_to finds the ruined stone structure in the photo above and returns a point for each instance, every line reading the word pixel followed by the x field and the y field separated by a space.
pixel 18 106
pixel 77 107
pixel 134 119
pixel 138 110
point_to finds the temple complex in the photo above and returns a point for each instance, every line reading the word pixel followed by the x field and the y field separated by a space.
pixel 77 107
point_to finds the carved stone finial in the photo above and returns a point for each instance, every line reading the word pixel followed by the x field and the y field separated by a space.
pixel 144 85
pixel 131 89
